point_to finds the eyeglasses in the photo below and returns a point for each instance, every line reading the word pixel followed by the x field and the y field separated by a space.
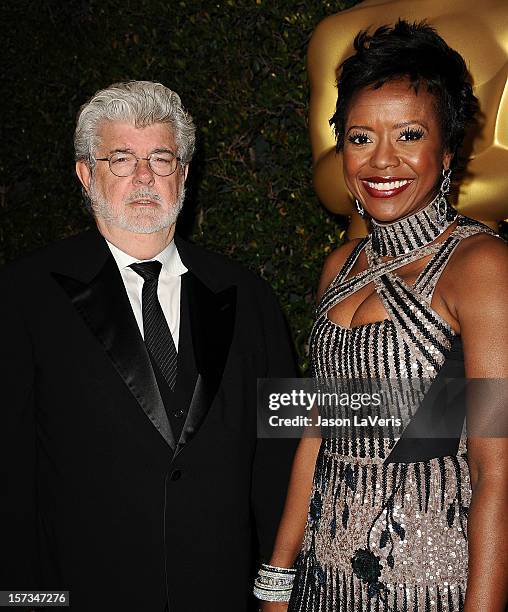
pixel 122 163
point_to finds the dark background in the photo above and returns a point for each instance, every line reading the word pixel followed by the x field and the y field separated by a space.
pixel 239 66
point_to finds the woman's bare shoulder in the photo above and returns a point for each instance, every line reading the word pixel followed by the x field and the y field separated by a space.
pixel 477 270
pixel 481 254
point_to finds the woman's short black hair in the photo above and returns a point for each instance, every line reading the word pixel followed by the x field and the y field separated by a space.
pixel 415 52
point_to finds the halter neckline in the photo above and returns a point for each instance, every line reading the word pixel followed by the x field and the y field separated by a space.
pixel 414 231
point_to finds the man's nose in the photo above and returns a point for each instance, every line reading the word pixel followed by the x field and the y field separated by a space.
pixel 143 174
pixel 384 155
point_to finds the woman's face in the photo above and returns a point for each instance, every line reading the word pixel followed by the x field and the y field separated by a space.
pixel 393 153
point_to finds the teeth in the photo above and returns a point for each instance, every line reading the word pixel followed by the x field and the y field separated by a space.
pixel 387 186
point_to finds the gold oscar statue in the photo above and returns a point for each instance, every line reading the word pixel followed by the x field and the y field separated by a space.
pixel 479 32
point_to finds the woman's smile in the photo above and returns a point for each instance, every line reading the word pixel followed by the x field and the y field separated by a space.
pixel 385 187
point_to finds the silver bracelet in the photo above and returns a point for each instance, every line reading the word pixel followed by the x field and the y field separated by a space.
pixel 274 583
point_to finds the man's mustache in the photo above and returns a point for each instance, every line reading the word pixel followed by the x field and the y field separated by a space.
pixel 139 194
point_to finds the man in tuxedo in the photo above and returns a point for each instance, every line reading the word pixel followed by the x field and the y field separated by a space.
pixel 131 471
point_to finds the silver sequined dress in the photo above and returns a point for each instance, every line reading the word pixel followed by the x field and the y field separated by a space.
pixel 403 523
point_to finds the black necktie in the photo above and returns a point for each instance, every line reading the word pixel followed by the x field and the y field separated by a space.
pixel 158 338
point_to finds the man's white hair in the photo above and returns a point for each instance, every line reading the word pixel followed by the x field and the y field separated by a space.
pixel 141 103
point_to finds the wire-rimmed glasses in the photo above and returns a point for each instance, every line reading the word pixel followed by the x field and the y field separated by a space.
pixel 124 163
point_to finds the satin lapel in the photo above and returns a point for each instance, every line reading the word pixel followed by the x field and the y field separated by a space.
pixel 212 318
pixel 104 306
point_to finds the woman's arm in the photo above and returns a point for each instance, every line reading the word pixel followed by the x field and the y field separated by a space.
pixel 481 305
pixel 292 525
pixel 294 518
pixel 487 586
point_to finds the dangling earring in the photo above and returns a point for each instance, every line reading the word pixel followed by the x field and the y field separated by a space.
pixel 442 202
pixel 359 208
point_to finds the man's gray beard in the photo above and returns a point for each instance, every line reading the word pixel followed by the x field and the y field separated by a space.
pixel 140 221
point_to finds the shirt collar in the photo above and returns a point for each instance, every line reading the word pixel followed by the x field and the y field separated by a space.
pixel 169 258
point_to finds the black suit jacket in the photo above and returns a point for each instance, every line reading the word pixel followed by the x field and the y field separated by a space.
pixel 97 495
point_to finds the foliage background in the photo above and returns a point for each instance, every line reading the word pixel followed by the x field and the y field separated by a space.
pixel 239 66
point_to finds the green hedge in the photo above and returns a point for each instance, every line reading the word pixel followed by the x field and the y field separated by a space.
pixel 239 67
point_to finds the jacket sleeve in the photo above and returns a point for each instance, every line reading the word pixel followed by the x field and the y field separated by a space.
pixel 273 457
pixel 18 514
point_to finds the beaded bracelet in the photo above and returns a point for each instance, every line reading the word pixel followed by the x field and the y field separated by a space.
pixel 274 583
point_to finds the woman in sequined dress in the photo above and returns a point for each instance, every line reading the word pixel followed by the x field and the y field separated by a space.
pixel 392 523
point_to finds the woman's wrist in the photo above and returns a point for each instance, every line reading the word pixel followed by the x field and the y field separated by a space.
pixel 283 558
pixel 274 583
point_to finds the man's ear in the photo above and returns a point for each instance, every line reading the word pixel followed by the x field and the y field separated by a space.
pixel 84 174
pixel 185 172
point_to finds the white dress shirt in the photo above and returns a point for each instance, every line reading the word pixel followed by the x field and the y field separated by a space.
pixel 168 288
